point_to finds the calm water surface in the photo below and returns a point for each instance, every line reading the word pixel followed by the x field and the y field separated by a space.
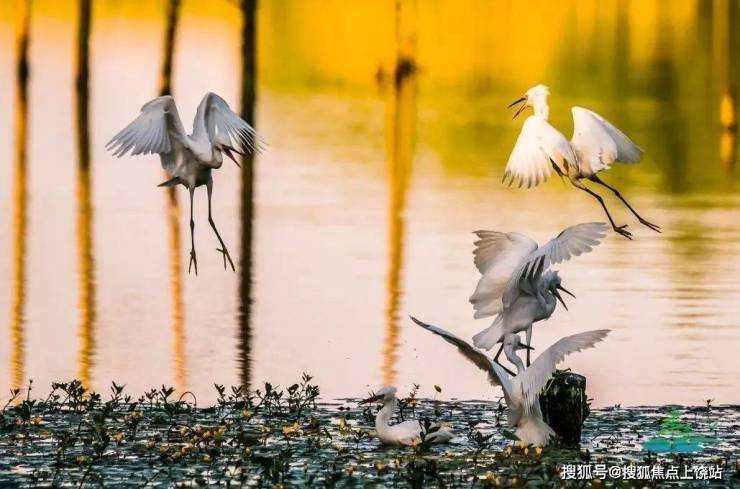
pixel 365 201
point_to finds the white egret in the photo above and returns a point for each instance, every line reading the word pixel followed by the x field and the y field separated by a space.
pixel 189 159
pixel 515 285
pixel 406 432
pixel 595 145
pixel 522 391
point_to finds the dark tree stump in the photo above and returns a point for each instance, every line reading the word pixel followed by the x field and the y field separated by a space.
pixel 565 406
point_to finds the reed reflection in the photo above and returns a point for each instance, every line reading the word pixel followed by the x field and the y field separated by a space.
pixel 172 213
pixel 399 134
pixel 20 198
pixel 248 95
pixel 85 253
pixel 721 59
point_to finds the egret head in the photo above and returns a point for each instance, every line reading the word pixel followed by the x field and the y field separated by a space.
pixel 552 282
pixel 534 97
pixel 386 394
pixel 222 144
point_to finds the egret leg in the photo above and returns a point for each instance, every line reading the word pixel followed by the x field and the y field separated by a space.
pixel 193 259
pixel 495 359
pixel 529 342
pixel 223 250
pixel 644 222
pixel 619 229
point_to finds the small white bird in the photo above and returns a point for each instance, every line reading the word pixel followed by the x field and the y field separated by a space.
pixel 522 391
pixel 189 159
pixel 408 432
pixel 595 145
pixel 515 285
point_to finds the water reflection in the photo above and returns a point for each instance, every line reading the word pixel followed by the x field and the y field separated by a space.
pixel 20 198
pixel 172 213
pixel 248 96
pixel 722 60
pixel 400 128
pixel 85 258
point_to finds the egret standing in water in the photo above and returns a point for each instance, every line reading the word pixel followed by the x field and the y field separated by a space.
pixel 406 432
pixel 595 145
pixel 522 391
pixel 189 159
pixel 516 286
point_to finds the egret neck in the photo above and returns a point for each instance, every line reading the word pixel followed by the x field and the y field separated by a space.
pixel 539 106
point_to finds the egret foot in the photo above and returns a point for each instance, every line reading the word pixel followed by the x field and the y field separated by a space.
pixel 193 262
pixel 623 231
pixel 650 225
pixel 226 256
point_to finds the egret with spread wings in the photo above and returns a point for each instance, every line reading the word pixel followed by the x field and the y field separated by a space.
pixel 595 145
pixel 522 391
pixel 189 158
pixel 516 286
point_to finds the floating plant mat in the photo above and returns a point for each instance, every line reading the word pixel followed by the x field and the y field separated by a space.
pixel 286 436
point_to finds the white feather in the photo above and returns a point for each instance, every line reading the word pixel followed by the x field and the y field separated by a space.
pixel 598 143
pixel 533 379
pixel 538 147
pixel 572 241
pixel 155 130
pixel 497 255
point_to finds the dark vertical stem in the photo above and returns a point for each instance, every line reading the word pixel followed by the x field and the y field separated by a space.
pixel 400 135
pixel 172 210
pixel 85 255
pixel 170 36
pixel 248 93
pixel 20 197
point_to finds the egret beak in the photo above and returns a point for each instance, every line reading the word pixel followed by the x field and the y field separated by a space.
pixel 566 291
pixel 228 152
pixel 517 101
pixel 521 100
pixel 560 298
pixel 372 399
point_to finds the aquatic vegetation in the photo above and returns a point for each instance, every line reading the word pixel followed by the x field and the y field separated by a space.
pixel 286 436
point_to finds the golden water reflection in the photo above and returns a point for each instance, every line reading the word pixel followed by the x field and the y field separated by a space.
pixel 20 197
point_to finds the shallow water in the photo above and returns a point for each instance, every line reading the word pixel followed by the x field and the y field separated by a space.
pixel 365 200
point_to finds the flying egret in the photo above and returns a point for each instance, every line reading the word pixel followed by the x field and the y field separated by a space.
pixel 595 145
pixel 406 432
pixel 522 391
pixel 515 283
pixel 189 159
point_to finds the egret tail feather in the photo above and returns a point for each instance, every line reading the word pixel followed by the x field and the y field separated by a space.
pixel 491 335
pixel 171 182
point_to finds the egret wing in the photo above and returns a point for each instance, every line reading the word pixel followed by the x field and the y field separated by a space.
pixel 533 379
pixel 572 241
pixel 598 143
pixel 496 255
pixel 479 358
pixel 157 129
pixel 538 148
pixel 214 116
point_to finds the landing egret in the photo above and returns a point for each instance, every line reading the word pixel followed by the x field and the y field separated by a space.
pixel 406 432
pixel 516 286
pixel 189 159
pixel 595 145
pixel 522 391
